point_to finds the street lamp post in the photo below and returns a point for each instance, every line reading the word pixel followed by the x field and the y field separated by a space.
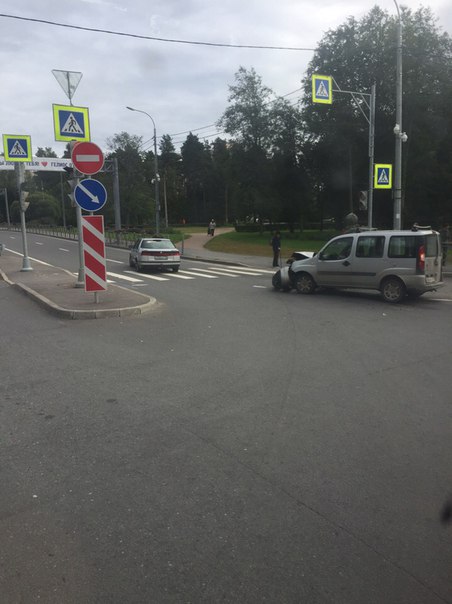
pixel 156 172
pixel 400 136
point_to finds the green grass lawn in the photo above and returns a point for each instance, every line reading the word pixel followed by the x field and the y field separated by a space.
pixel 257 244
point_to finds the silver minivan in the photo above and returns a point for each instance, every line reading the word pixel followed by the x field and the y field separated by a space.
pixel 397 263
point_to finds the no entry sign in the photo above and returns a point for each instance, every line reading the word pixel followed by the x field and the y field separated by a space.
pixel 87 158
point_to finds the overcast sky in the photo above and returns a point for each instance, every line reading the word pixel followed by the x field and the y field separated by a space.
pixel 183 87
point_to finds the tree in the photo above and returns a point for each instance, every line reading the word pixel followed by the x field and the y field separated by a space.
pixel 248 116
pixel 357 54
pixel 134 182
pixel 196 162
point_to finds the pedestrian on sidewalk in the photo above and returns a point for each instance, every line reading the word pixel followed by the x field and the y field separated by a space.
pixel 276 245
pixel 212 227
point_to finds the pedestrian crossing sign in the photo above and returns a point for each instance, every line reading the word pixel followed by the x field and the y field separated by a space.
pixel 17 147
pixel 383 176
pixel 322 89
pixel 71 123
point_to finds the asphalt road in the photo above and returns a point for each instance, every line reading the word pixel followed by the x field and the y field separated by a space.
pixel 235 445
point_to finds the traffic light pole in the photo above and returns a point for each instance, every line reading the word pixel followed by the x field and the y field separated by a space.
pixel 370 104
pixel 19 169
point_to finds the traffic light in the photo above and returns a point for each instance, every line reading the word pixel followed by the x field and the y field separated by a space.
pixel 73 181
pixel 23 200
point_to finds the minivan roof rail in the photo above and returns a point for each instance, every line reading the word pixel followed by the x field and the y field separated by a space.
pixel 418 227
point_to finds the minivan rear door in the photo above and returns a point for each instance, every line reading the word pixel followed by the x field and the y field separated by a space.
pixel 432 250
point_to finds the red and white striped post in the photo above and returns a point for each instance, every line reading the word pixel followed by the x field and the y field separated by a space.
pixel 94 254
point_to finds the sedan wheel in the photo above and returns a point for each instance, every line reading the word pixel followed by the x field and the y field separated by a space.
pixel 305 284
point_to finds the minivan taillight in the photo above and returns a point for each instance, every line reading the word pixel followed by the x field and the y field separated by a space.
pixel 421 258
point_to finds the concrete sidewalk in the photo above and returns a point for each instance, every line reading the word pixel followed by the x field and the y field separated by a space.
pixel 55 289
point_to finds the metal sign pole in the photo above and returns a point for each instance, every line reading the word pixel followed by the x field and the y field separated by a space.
pixel 371 156
pixel 5 192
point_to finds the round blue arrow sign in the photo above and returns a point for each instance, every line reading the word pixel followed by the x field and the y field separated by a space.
pixel 90 195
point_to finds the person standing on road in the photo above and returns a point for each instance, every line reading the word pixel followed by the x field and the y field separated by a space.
pixel 276 245
pixel 212 227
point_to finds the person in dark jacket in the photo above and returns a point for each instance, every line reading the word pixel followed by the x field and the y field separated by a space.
pixel 276 245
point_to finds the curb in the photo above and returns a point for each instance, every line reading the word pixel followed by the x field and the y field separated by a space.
pixel 68 313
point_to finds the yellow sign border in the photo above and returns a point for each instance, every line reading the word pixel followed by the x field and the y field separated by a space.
pixel 16 137
pixel 315 99
pixel 57 124
pixel 377 167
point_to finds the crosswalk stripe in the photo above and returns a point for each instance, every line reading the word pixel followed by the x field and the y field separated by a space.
pixel 238 272
pixel 199 274
pixel 153 277
pixel 177 276
pixel 118 276
pixel 215 272
pixel 256 270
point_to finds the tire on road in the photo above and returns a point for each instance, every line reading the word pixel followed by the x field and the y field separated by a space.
pixel 305 284
pixel 393 290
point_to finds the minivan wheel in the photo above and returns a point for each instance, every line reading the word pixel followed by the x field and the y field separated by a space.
pixel 276 280
pixel 305 284
pixel 393 290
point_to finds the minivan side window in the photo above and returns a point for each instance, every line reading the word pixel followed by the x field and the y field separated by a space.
pixel 370 246
pixel 403 246
pixel 338 249
pixel 431 246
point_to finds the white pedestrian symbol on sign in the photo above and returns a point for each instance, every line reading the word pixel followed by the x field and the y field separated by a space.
pixel 383 179
pixel 17 150
pixel 71 126
pixel 322 91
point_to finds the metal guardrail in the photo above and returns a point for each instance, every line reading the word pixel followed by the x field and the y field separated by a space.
pixel 112 238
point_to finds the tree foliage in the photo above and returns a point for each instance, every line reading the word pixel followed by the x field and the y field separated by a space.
pixel 301 162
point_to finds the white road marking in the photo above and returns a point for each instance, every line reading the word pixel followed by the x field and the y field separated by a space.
pixel 118 276
pixel 39 243
pixel 260 286
pixel 207 270
pixel 249 268
pixel 153 277
pixel 177 276
pixel 199 274
pixel 29 257
pixel 238 271
pixel 115 261
pixel 63 249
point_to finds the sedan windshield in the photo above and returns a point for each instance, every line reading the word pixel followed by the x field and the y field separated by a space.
pixel 157 244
